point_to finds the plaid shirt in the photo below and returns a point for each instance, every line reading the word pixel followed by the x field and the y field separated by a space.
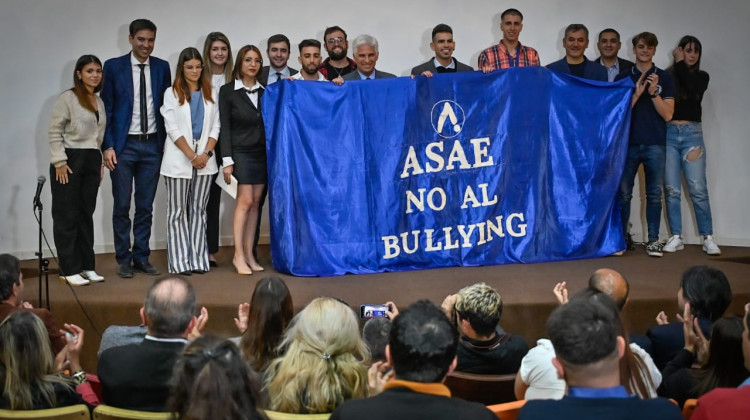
pixel 497 57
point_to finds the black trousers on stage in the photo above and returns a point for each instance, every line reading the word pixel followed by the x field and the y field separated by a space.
pixel 73 206
pixel 212 215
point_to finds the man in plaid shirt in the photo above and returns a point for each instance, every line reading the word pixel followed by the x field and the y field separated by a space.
pixel 508 52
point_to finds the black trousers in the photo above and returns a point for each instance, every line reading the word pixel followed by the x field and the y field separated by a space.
pixel 212 215
pixel 73 206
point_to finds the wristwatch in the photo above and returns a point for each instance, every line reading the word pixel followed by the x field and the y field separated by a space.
pixel 656 92
pixel 210 153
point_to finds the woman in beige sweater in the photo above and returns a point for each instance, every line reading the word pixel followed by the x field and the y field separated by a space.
pixel 75 137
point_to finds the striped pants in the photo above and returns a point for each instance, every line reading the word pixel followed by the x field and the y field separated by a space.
pixel 187 248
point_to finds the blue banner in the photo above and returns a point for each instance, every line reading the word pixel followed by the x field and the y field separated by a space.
pixel 463 169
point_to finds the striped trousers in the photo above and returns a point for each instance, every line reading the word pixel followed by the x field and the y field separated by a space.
pixel 187 248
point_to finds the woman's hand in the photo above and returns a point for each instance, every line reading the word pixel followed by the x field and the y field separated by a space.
pixel 61 173
pixel 243 314
pixel 678 54
pixel 74 340
pixel 200 161
pixel 561 293
pixel 228 173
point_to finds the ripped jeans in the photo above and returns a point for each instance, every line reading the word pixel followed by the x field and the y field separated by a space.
pixel 686 154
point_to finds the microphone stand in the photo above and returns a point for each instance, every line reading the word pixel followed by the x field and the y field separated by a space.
pixel 43 262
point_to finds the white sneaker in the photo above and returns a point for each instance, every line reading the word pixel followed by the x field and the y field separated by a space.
pixel 91 276
pixel 674 244
pixel 710 246
pixel 74 280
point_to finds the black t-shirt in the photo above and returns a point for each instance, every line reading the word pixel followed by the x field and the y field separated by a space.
pixel 577 69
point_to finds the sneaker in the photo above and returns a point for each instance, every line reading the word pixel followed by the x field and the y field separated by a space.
pixel 655 249
pixel 74 280
pixel 710 246
pixel 674 244
pixel 92 276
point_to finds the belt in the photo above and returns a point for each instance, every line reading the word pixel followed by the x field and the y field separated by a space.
pixel 142 137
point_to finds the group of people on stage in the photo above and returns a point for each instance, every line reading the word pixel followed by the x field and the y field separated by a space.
pixel 211 115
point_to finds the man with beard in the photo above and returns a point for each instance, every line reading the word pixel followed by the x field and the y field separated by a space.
pixel 575 42
pixel 609 45
pixel 278 55
pixel 443 62
pixel 337 64
pixel 309 59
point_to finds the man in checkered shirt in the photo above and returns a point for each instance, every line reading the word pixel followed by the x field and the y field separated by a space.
pixel 508 52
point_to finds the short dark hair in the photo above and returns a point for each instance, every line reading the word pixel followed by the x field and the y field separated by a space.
pixel 423 343
pixel 375 333
pixel 511 12
pixel 309 43
pixel 141 24
pixel 648 38
pixel 577 27
pixel 278 38
pixel 10 270
pixel 331 29
pixel 441 27
pixel 604 31
pixel 170 311
pixel 585 330
pixel 708 291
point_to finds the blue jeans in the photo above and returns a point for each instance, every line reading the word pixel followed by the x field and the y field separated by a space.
pixel 681 140
pixel 652 158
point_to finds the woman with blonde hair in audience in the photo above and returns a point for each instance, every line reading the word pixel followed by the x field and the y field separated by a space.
pixel 212 381
pixel 218 54
pixel 323 361
pixel 31 379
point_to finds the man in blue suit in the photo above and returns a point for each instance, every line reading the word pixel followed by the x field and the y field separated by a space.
pixel 575 42
pixel 132 93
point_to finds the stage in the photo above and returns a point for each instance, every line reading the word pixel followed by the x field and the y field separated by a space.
pixel 526 289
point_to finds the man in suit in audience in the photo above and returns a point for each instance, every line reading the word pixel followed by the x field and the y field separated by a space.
pixel 277 50
pixel 729 403
pixel 422 351
pixel 365 54
pixel 508 52
pixel 136 376
pixel 484 346
pixel 609 46
pixel 443 62
pixel 587 355
pixel 132 92
pixel 575 42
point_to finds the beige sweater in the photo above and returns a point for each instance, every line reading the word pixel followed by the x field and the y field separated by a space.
pixel 74 127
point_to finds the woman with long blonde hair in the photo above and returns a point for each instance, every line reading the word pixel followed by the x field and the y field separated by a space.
pixel 323 362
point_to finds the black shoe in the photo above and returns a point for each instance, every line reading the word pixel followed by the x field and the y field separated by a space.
pixel 146 268
pixel 629 244
pixel 124 270
pixel 213 263
pixel 185 273
pixel 199 271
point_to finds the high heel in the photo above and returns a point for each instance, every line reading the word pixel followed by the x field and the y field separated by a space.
pixel 245 271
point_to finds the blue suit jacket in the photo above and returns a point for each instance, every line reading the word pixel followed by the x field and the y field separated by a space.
pixel 592 71
pixel 117 95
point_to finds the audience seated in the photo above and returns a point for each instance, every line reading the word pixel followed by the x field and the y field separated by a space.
pixel 212 381
pixel 375 333
pixel 421 351
pixel 721 360
pixel 709 294
pixel 589 342
pixel 136 376
pixel 121 335
pixel 484 346
pixel 262 321
pixel 31 378
pixel 322 362
pixel 729 403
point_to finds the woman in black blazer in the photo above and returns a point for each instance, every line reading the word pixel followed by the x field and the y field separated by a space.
pixel 243 151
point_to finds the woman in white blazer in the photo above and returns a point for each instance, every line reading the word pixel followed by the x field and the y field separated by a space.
pixel 191 118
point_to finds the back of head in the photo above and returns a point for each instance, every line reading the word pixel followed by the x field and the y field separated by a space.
pixel 725 364
pixel 708 291
pixel 611 283
pixel 212 381
pixel 481 305
pixel 271 310
pixel 323 361
pixel 423 343
pixel 375 333
pixel 10 270
pixel 170 306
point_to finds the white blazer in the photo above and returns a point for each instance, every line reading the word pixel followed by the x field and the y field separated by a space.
pixel 177 121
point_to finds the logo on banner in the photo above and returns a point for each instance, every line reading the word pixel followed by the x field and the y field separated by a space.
pixel 447 118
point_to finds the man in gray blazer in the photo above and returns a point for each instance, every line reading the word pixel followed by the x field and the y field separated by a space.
pixel 365 54
pixel 443 62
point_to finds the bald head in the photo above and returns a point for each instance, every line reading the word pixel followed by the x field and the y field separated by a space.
pixel 169 307
pixel 612 283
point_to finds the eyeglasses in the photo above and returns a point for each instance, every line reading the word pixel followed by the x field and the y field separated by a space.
pixel 193 68
pixel 334 41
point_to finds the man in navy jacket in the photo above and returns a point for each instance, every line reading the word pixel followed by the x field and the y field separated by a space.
pixel 575 42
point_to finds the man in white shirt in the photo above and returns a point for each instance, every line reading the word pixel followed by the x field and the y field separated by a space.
pixel 309 60
pixel 609 46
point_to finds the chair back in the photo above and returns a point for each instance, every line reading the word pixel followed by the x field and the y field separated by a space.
pixel 507 411
pixel 106 412
pixel 73 412
pixel 688 408
pixel 277 415
pixel 485 389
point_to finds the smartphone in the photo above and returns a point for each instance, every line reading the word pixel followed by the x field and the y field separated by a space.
pixel 372 311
